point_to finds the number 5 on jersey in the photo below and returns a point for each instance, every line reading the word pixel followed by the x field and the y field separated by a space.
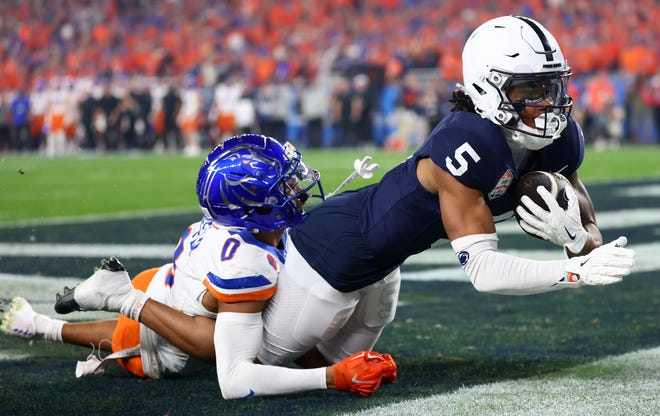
pixel 462 167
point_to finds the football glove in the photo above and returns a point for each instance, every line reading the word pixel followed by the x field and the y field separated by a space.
pixel 561 227
pixel 605 265
pixel 362 372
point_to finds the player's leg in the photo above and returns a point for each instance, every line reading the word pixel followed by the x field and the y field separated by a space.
pixel 97 333
pixel 110 288
pixel 22 321
pixel 304 311
pixel 374 311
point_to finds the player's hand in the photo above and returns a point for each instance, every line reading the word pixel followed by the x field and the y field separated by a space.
pixel 605 265
pixel 363 372
pixel 562 227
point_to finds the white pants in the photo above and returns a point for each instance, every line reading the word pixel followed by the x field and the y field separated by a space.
pixel 159 356
pixel 306 312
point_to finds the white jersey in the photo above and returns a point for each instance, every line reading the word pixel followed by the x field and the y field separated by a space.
pixel 230 263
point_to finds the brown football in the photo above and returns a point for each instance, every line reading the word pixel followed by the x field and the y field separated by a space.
pixel 555 183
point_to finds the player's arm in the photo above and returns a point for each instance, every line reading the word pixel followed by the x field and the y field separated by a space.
pixel 471 230
pixel 237 337
pixel 464 211
pixel 191 334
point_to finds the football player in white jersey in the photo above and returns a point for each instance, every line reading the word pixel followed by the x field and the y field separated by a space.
pixel 225 267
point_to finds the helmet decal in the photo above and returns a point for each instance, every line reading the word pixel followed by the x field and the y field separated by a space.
pixel 544 40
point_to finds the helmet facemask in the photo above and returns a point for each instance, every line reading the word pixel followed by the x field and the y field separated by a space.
pixel 547 92
pixel 295 186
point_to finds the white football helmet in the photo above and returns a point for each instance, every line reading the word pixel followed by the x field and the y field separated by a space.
pixel 517 51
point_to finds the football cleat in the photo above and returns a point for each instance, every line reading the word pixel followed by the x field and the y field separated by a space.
pixel 362 372
pixel 104 290
pixel 19 319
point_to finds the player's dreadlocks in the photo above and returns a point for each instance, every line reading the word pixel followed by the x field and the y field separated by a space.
pixel 461 102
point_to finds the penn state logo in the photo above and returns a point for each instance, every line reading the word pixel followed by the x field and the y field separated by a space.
pixel 463 257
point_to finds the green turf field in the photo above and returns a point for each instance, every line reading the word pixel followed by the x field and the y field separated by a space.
pixel 591 351
pixel 34 187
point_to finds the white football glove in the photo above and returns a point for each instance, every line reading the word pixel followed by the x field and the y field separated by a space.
pixel 605 265
pixel 563 228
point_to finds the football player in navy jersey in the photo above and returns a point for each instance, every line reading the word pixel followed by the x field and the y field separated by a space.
pixel 511 115
pixel 225 268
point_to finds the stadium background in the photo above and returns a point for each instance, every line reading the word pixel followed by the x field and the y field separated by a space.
pixel 102 75
pixel 451 343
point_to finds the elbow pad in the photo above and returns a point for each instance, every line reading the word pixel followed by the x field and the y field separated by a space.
pixel 494 272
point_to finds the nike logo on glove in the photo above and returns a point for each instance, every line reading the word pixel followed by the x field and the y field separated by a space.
pixel 582 263
pixel 358 381
pixel 572 237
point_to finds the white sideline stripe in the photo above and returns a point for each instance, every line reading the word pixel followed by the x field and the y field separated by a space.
pixel 643 191
pixel 621 385
pixel 139 251
pixel 605 219
pixel 13 356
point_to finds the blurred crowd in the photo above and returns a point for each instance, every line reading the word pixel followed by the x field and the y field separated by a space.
pixel 179 75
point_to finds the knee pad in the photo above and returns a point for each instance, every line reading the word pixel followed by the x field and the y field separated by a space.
pixel 377 306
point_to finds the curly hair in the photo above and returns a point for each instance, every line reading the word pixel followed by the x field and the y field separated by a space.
pixel 461 102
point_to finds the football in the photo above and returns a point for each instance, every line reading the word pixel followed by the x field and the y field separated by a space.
pixel 555 183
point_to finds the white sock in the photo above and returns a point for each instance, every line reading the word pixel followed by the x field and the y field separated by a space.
pixel 133 303
pixel 49 328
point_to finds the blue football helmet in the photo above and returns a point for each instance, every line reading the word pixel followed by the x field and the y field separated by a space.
pixel 252 181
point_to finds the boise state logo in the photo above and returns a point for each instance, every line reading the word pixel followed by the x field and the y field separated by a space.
pixel 271 261
pixel 463 257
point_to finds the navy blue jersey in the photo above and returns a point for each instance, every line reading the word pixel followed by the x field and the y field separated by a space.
pixel 357 237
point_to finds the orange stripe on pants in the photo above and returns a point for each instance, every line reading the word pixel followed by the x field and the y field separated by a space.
pixel 127 331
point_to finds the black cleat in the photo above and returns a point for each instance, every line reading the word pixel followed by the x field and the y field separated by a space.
pixel 65 302
pixel 113 265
